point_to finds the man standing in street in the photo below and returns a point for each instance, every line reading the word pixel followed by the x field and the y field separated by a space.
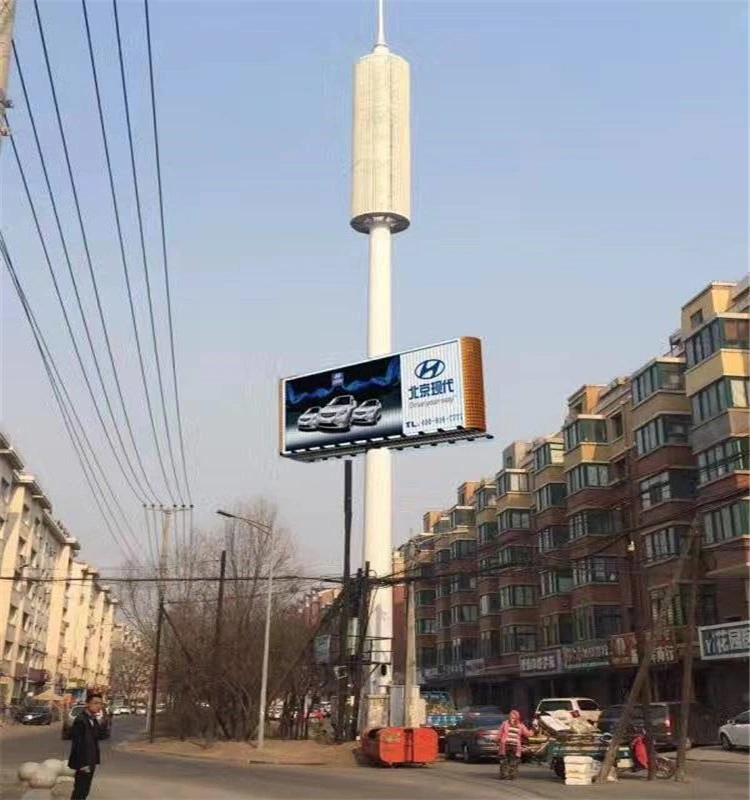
pixel 84 747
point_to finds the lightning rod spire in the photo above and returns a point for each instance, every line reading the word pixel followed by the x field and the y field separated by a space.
pixel 381 43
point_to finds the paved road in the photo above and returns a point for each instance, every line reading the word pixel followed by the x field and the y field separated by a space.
pixel 135 776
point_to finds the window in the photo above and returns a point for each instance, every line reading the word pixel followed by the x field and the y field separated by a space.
pixel 552 538
pixel 427 657
pixel 696 319
pixel 463 614
pixel 618 429
pixel 551 495
pixel 444 589
pixel 587 475
pixel 4 491
pixel 667 429
pixel 663 376
pixel 426 626
pixel 463 549
pixel 514 519
pixel 585 430
pixel 517 596
pixel 488 566
pixel 443 556
pixel 515 556
pixel 727 522
pixel 720 333
pixel 596 622
pixel 728 392
pixel 547 454
pixel 556 581
pixel 602 569
pixel 426 570
pixel 487 531
pixel 444 619
pixel 463 583
pixel 512 482
pixel 486 497
pixel 669 485
pixel 594 522
pixel 705 609
pixel 426 597
pixel 462 518
pixel 26 516
pixel 557 629
pixel 489 644
pixel 489 604
pixel 618 470
pixel 665 543
pixel 519 639
pixel 463 649
pixel 721 459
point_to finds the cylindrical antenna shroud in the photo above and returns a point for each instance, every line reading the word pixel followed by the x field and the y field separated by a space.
pixel 381 170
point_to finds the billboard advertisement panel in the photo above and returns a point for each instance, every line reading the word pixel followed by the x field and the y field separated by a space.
pixel 430 394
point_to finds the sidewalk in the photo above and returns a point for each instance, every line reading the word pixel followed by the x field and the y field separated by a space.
pixel 716 755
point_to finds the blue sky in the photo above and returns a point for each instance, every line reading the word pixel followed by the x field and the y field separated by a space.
pixel 580 170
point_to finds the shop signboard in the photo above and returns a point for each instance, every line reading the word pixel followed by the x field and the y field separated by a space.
pixel 428 395
pixel 585 656
pixel 322 649
pixel 623 650
pixel 728 640
pixel 546 663
pixel 474 666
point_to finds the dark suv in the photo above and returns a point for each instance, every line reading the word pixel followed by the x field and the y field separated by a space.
pixel 665 721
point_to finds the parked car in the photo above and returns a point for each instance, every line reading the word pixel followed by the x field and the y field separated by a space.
pixel 475 737
pixel 103 718
pixel 665 722
pixel 579 707
pixel 308 421
pixel 368 413
pixel 34 715
pixel 121 710
pixel 337 415
pixel 736 732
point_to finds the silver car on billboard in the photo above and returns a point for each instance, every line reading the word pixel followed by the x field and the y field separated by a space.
pixel 337 415
pixel 308 421
pixel 368 413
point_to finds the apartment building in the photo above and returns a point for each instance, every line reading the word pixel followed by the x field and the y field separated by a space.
pixel 536 580
pixel 36 612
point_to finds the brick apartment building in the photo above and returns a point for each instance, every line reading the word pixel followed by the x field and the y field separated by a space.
pixel 530 584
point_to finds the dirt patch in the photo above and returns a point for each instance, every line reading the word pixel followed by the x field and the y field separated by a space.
pixel 294 753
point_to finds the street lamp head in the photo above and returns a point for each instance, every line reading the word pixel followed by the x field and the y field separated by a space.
pixel 223 513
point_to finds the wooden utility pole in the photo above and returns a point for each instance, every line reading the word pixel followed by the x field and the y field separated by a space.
pixel 159 622
pixel 687 659
pixel 344 660
pixel 411 659
pixel 218 659
pixel 643 668
pixel 363 594
pixel 7 21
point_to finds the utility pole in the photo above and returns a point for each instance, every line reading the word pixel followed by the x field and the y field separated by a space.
pixel 344 660
pixel 217 637
pixel 411 661
pixel 159 622
pixel 266 648
pixel 363 593
pixel 687 659
pixel 7 21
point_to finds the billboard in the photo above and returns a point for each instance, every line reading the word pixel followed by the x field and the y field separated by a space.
pixel 423 396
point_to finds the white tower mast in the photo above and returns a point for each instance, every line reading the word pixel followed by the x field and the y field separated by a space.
pixel 381 205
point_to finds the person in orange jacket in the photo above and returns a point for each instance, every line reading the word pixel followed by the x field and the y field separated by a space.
pixel 512 732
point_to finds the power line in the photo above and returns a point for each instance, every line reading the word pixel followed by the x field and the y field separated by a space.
pixel 164 245
pixel 144 258
pixel 118 223
pixel 87 251
pixel 138 492
pixel 58 385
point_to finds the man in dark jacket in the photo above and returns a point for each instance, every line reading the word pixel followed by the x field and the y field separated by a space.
pixel 84 747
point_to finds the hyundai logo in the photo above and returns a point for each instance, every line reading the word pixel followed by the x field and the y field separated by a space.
pixel 429 369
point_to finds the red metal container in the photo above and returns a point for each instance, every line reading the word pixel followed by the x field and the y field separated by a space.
pixel 422 745
pixel 385 746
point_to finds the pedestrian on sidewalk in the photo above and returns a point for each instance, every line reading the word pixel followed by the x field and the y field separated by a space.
pixel 512 731
pixel 84 747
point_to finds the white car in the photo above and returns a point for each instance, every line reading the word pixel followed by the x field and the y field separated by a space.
pixel 337 415
pixel 121 710
pixel 309 420
pixel 736 733
pixel 567 707
pixel 368 413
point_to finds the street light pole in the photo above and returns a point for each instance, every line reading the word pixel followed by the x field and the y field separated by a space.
pixel 268 530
